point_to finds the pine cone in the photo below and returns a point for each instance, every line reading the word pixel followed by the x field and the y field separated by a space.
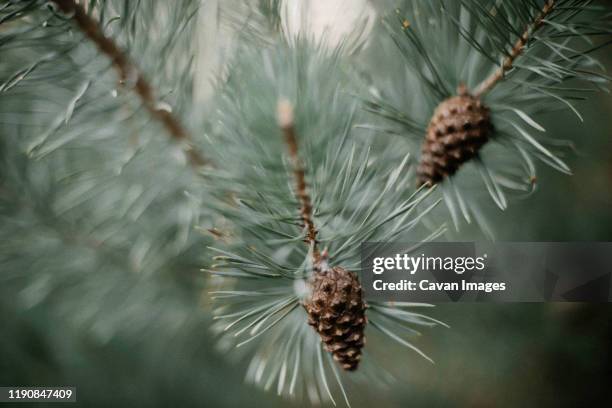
pixel 336 310
pixel 459 127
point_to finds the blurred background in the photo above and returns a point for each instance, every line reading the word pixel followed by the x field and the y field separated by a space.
pixel 503 355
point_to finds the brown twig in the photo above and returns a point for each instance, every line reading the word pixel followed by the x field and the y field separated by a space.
pixel 129 73
pixel 285 122
pixel 517 50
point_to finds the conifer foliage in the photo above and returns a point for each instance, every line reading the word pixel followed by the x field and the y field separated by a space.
pixel 516 60
pixel 117 188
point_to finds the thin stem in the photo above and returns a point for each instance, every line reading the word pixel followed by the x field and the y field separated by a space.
pixel 286 123
pixel 517 50
pixel 128 72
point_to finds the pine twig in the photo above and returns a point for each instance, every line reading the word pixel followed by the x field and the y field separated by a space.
pixel 128 72
pixel 286 123
pixel 517 50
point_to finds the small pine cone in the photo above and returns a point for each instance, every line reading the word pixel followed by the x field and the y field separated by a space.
pixel 459 127
pixel 336 310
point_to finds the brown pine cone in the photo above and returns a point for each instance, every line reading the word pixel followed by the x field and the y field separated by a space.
pixel 336 310
pixel 459 127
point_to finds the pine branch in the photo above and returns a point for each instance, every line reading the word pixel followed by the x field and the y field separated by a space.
pixel 286 123
pixel 516 51
pixel 129 72
pixel 528 48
